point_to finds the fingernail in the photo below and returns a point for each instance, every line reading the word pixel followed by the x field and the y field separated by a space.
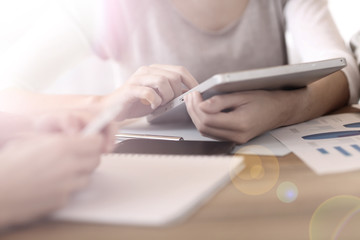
pixel 145 102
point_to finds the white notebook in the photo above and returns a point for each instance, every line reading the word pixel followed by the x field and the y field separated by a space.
pixel 150 190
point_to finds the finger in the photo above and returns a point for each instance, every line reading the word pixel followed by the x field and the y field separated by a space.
pixel 187 79
pixel 218 126
pixel 71 124
pixel 214 119
pixel 196 100
pixel 162 85
pixel 146 95
pixel 66 123
pixel 193 100
pixel 157 82
pixel 109 134
pixel 137 93
pixel 87 161
pixel 223 102
pixel 81 146
pixel 174 78
pixel 47 123
pixel 88 165
pixel 191 108
pixel 79 183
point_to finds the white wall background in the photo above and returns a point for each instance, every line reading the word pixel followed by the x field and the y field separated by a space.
pixel 16 16
pixel 347 16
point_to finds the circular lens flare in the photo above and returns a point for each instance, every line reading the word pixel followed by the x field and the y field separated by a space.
pixel 260 173
pixel 336 218
pixel 287 192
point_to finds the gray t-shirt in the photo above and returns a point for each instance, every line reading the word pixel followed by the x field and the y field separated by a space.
pixel 141 32
pixel 148 32
pixel 134 33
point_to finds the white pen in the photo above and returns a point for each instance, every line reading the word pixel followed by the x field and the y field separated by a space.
pixel 147 136
pixel 102 120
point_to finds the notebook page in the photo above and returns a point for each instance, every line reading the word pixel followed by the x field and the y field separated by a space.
pixel 149 190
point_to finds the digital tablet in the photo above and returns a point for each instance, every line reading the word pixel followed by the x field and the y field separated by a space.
pixel 285 77
pixel 156 146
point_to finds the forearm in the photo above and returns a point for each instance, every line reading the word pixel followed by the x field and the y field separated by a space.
pixel 319 98
pixel 19 101
pixel 316 37
pixel 11 125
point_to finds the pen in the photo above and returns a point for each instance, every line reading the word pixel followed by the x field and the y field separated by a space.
pixel 102 119
pixel 147 136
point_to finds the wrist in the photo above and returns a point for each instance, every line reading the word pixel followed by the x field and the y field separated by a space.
pixel 317 99
pixel 296 108
pixel 92 100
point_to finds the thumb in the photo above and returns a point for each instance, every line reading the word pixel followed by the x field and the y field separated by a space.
pixel 223 102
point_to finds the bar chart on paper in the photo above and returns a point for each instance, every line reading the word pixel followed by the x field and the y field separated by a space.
pixel 328 144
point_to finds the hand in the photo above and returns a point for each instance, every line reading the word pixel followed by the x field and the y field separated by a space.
pixel 246 115
pixel 40 174
pixel 72 123
pixel 69 122
pixel 11 125
pixel 149 88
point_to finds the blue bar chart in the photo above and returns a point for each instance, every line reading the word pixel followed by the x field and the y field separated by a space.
pixel 329 144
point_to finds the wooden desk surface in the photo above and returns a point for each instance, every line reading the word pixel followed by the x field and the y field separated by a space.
pixel 229 215
pixel 233 214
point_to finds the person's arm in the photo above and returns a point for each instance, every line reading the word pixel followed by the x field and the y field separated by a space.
pixel 58 44
pixel 256 112
pixel 316 37
pixel 40 169
pixel 148 88
pixel 11 125
pixel 22 101
pixel 40 174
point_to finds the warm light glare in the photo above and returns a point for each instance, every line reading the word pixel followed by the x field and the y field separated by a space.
pixel 260 174
pixel 336 218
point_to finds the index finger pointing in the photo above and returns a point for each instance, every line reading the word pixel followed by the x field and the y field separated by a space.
pixel 186 77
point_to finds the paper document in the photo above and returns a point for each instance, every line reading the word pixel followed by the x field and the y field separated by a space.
pixel 189 132
pixel 149 190
pixel 329 144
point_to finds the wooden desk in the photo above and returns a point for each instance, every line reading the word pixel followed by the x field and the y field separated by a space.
pixel 231 214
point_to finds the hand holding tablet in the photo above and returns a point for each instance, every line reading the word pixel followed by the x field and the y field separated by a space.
pixel 274 78
pixel 280 77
